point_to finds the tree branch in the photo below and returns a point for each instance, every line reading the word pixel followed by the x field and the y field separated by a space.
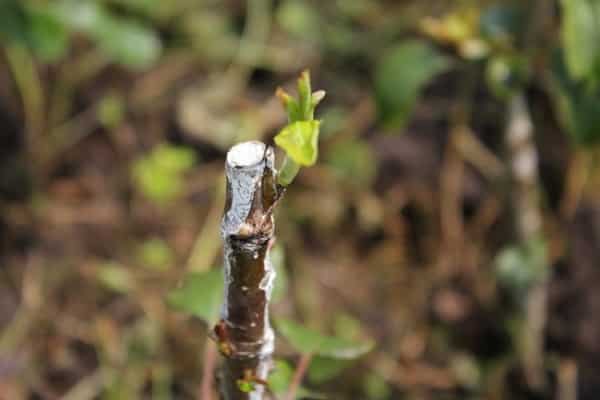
pixel 245 335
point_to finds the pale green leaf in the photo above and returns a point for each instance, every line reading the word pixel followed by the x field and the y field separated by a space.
pixel 200 295
pixel 288 171
pixel 306 340
pixel 300 141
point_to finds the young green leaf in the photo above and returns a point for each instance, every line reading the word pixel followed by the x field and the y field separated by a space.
pixel 306 340
pixel 299 140
pixel 300 137
pixel 290 104
pixel 305 97
pixel 400 76
pixel 200 295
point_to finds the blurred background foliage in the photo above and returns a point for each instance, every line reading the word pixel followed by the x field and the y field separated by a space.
pixel 402 240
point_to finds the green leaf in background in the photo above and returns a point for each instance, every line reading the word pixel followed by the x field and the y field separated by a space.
pixel 128 42
pixel 506 75
pixel 82 16
pixel 399 77
pixel 323 369
pixel 306 340
pixel 581 37
pixel 48 36
pixel 577 105
pixel 115 277
pixel 155 254
pixel 175 159
pixel 125 40
pixel 518 268
pixel 111 109
pixel 300 19
pixel 200 295
pixel 159 175
pixel 353 161
pixel 146 7
pixel 300 141
pixel 375 387
pixel 280 379
pixel 13 21
pixel 502 23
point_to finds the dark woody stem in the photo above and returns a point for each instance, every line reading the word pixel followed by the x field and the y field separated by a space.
pixel 244 334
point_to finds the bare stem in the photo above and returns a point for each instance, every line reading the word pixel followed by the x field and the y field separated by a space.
pixel 244 333
pixel 209 361
pixel 524 168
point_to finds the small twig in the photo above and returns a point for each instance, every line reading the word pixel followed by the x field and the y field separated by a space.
pixel 576 179
pixel 86 388
pixel 208 368
pixel 567 380
pixel 27 80
pixel 301 369
pixel 524 168
pixel 206 246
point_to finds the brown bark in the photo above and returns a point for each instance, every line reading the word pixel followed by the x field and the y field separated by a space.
pixel 245 336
